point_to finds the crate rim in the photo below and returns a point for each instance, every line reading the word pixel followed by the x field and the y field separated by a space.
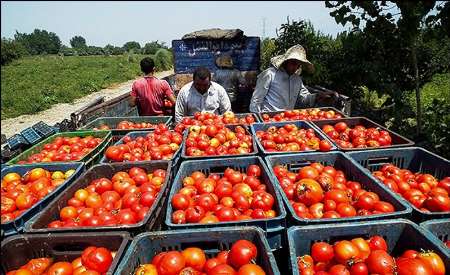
pixel 320 108
pixel 121 131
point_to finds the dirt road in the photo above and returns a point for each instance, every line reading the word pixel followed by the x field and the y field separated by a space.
pixel 61 111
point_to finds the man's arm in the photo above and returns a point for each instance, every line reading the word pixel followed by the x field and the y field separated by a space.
pixel 306 99
pixel 133 96
pixel 180 107
pixel 261 90
pixel 168 92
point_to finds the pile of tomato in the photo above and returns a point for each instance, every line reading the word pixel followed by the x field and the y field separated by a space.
pixel 213 140
pixel 239 260
pixel 318 191
pixel 157 145
pixel 127 125
pixel 422 190
pixel 124 199
pixel 200 119
pixel 235 196
pixel 361 256
pixel 290 138
pixel 19 193
pixel 302 114
pixel 358 136
pixel 93 261
pixel 64 149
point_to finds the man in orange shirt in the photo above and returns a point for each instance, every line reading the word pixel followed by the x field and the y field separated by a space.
pixel 148 93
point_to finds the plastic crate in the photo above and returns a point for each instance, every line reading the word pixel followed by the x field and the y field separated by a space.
pixel 17 141
pixel 147 245
pixel 415 159
pixel 238 115
pixel 18 250
pixel 353 172
pixel 31 136
pixel 271 114
pixel 89 159
pixel 440 229
pixel 152 220
pixel 17 225
pixel 232 127
pixel 273 227
pixel 400 235
pixel 43 129
pixel 397 140
pixel 301 124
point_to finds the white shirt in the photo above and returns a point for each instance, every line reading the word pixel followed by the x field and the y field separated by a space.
pixel 190 101
pixel 277 91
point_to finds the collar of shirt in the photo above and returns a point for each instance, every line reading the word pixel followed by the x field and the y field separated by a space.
pixel 210 92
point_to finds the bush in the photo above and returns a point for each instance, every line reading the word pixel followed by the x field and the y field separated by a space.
pixel 163 60
pixel 11 50
pixel 268 49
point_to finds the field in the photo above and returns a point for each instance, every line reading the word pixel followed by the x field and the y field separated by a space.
pixel 33 84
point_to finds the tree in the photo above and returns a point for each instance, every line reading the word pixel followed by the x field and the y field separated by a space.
pixel 39 42
pixel 11 50
pixel 268 49
pixel 153 47
pixel 403 34
pixel 78 42
pixel 131 45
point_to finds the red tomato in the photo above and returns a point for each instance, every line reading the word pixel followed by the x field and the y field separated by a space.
pixel 380 262
pixel 171 263
pixel 241 253
pixel 322 252
pixel 406 266
pixel 97 258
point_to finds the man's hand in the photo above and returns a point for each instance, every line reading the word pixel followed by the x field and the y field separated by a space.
pixel 327 95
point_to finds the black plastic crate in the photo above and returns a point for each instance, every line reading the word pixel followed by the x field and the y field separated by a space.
pixel 274 227
pixel 43 129
pixel 31 136
pixel 353 172
pixel 415 159
pixel 18 250
pixel 440 229
pixel 17 225
pixel 400 235
pixel 17 141
pixel 300 124
pixel 147 245
pixel 230 126
pixel 397 140
pixel 152 221
pixel 272 114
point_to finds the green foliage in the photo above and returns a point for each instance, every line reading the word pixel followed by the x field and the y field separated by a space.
pixel 131 45
pixel 163 60
pixel 33 84
pixel 437 126
pixel 153 47
pixel 268 49
pixel 39 42
pixel 78 42
pixel 11 50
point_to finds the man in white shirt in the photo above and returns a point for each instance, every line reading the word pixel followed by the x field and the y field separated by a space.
pixel 201 95
pixel 280 86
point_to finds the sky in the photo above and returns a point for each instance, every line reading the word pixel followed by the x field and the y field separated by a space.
pixel 117 22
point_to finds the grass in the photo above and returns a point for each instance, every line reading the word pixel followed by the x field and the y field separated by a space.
pixel 34 84
pixel 438 87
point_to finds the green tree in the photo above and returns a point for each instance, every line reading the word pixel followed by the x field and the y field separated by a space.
pixel 163 60
pixel 153 47
pixel 131 45
pixel 268 49
pixel 39 42
pixel 11 50
pixel 78 42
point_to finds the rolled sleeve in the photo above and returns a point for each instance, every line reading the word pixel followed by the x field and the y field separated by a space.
pixel 133 90
pixel 167 89
pixel 261 89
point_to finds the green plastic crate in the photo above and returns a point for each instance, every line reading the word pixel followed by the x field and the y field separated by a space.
pixel 90 159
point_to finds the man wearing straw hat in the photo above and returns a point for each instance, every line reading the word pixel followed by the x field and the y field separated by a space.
pixel 280 86
pixel 229 77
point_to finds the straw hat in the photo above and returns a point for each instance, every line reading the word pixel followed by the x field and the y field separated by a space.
pixel 296 52
pixel 224 61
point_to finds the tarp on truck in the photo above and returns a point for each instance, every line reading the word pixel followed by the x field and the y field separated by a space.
pixel 215 34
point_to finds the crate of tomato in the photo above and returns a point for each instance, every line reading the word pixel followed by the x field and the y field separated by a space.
pixel 109 197
pixel 211 251
pixel 217 141
pixel 360 133
pixel 379 247
pixel 27 189
pixel 328 188
pixel 301 114
pixel 231 192
pixel 413 174
pixel 121 126
pixel 440 229
pixel 82 146
pixel 288 137
pixel 63 253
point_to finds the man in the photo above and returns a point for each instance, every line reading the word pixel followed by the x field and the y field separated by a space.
pixel 229 77
pixel 280 86
pixel 201 95
pixel 148 93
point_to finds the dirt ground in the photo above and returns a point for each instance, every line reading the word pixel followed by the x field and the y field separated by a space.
pixel 61 111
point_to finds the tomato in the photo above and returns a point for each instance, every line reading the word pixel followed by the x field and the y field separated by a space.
pixel 406 266
pixel 60 268
pixel 384 207
pixel 114 153
pixel 324 145
pixel 339 196
pixel 97 258
pixel 345 251
pixel 251 269
pixel 359 269
pixel 241 253
pixel 171 263
pixel 194 214
pixel 194 257
pixel 308 172
pixel 322 252
pixel 225 214
pixel 363 247
pixel 38 266
pixel 338 270
pixel 309 191
pixel 380 262
pixel 25 201
pixel 179 217
pixel 438 203
pixel 7 205
pixel 253 170
pixel 434 261
pixel 377 243
pixel 211 264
